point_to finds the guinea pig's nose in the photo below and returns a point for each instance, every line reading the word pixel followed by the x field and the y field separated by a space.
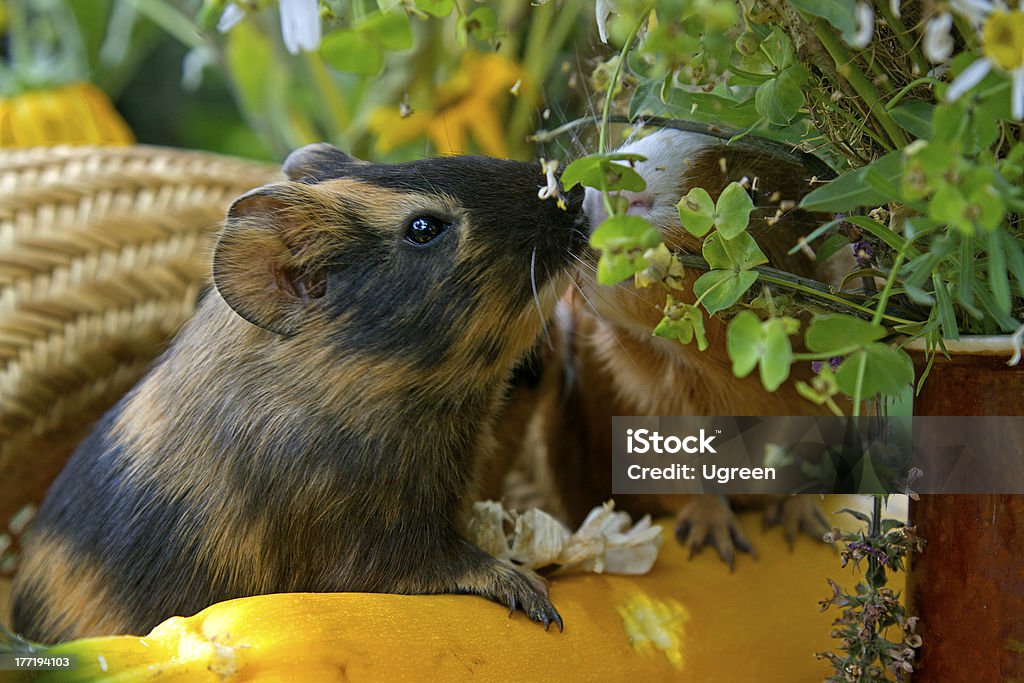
pixel 640 204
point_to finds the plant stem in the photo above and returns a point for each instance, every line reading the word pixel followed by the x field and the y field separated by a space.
pixel 905 90
pixel 602 140
pixel 858 388
pixel 856 78
pixel 890 283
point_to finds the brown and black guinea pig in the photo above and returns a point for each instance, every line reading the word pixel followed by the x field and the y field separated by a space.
pixel 607 362
pixel 321 422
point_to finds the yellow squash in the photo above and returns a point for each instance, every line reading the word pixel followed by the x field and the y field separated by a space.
pixel 684 621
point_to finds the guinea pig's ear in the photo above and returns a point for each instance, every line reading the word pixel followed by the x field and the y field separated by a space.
pixel 317 162
pixel 256 263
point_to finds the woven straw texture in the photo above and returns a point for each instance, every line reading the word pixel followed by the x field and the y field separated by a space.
pixel 103 252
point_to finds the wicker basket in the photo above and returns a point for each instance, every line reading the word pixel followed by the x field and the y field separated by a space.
pixel 103 252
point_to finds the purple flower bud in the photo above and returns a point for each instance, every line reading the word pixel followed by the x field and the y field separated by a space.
pixel 863 251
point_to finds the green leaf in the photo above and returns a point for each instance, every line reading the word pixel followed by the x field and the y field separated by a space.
pixel 714 107
pixel 697 211
pixel 965 290
pixel 780 98
pixel 625 232
pixel 886 371
pixel 830 247
pixel 438 8
pixel 949 206
pixel 987 208
pixel 739 253
pixel 720 289
pixel 778 355
pixel 481 23
pixel 840 13
pixel 615 266
pixel 744 341
pixel 851 191
pixel 600 172
pixel 883 233
pixel 1015 257
pixel 998 277
pixel 836 331
pixel 778 48
pixel 947 316
pixel 915 117
pixel 390 30
pixel 733 211
pixel 352 51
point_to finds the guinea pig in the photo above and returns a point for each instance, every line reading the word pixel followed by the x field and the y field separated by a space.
pixel 322 420
pixel 608 363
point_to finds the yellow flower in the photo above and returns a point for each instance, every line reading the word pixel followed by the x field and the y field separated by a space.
pixel 1003 39
pixel 78 113
pixel 469 106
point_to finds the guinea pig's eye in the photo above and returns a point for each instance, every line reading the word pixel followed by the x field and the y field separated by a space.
pixel 422 229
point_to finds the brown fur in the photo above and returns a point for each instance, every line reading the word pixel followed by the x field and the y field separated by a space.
pixel 325 419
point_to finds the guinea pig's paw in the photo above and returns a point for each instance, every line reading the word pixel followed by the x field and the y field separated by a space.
pixel 709 520
pixel 512 587
pixel 796 514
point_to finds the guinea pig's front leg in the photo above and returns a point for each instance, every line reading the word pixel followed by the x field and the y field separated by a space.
pixel 482 574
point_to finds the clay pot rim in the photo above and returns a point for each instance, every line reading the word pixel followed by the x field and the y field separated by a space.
pixel 977 345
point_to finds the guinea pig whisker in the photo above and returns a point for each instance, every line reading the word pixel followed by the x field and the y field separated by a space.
pixel 536 298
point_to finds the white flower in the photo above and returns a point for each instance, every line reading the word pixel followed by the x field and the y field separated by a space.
pixel 938 42
pixel 968 78
pixel 602 10
pixel 894 7
pixel 865 25
pixel 232 15
pixel 1002 46
pixel 975 11
pixel 300 25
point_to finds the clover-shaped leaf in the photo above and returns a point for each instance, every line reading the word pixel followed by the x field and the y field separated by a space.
pixel 697 211
pixel 751 342
pixel 732 211
pixel 730 214
pixel 886 371
pixel 601 172
pixel 829 333
pixel 738 253
pixel 720 289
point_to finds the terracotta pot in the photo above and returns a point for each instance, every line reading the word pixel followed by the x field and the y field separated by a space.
pixel 968 585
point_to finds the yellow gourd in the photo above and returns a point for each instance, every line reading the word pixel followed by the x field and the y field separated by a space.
pixel 685 621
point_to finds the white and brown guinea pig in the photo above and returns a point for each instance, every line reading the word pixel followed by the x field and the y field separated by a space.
pixel 323 421
pixel 607 362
